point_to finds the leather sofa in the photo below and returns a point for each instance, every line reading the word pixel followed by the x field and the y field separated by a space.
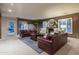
pixel 52 43
pixel 26 33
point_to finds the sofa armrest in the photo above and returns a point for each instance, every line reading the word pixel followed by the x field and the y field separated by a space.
pixel 41 39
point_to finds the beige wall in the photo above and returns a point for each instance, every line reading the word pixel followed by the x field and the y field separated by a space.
pixel 4 26
pixel 61 9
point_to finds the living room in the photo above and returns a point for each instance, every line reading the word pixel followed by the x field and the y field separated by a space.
pixel 39 29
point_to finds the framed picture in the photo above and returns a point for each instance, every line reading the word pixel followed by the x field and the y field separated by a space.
pixel 11 26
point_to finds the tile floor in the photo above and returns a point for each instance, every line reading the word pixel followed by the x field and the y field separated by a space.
pixel 13 46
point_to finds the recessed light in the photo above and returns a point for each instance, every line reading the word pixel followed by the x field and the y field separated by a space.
pixel 9 10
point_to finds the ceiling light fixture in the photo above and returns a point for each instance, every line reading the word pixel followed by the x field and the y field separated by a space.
pixel 10 10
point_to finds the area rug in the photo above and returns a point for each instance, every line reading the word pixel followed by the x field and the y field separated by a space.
pixel 31 43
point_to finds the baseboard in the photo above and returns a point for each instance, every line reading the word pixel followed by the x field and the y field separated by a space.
pixel 72 38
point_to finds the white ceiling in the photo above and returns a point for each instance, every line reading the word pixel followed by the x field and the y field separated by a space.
pixel 25 10
pixel 38 10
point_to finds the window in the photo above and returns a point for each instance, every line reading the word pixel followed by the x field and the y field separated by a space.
pixel 23 25
pixel 69 25
pixel 45 24
pixel 65 25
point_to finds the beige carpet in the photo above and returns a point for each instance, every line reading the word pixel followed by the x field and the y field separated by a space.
pixel 71 48
pixel 14 46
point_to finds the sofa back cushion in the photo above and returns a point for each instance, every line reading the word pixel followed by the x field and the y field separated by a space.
pixel 48 37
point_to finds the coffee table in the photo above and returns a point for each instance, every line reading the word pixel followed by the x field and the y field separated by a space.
pixel 34 36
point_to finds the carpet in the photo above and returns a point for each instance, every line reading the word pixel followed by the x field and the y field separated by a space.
pixel 31 43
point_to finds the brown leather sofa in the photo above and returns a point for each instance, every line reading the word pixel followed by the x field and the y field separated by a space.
pixel 53 43
pixel 25 33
